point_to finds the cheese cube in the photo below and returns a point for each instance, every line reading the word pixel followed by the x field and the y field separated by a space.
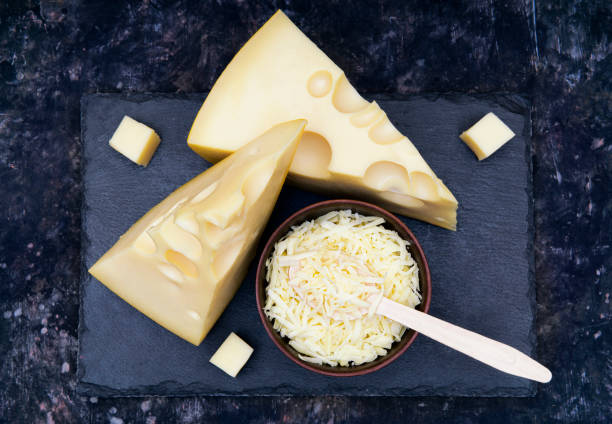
pixel 349 146
pixel 487 135
pixel 232 355
pixel 183 261
pixel 135 141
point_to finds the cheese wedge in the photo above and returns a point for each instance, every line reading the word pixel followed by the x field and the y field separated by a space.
pixel 182 262
pixel 349 147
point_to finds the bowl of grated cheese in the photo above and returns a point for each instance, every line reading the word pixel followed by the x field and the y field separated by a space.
pixel 320 277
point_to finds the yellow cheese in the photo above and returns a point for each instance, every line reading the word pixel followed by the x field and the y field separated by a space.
pixel 183 261
pixel 349 146
pixel 487 135
pixel 232 355
pixel 325 280
pixel 135 141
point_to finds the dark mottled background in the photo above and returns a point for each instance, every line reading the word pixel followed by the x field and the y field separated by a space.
pixel 51 52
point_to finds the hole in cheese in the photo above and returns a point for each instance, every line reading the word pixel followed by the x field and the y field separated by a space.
pixel 225 208
pixel 423 186
pixel 194 315
pixel 180 240
pixel 313 156
pixel 204 193
pixel 384 132
pixel 256 182
pixel 387 176
pixel 212 233
pixel 405 199
pixel 319 84
pixel 171 272
pixel 145 243
pixel 187 222
pixel 367 116
pixel 182 263
pixel 226 256
pixel 345 98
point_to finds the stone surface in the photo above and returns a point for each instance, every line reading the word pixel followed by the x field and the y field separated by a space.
pixel 479 270
pixel 54 51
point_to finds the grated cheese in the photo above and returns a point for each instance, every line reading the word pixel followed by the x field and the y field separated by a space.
pixel 325 280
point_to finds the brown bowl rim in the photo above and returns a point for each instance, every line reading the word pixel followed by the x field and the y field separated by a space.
pixel 283 228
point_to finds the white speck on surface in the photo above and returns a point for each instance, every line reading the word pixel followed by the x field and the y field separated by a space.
pixel 17 312
pixel 93 399
pixel 65 367
pixel 30 245
pixel 597 335
pixel 7 314
pixel 115 420
pixel 421 405
pixel 41 307
pixel 43 330
pixel 151 420
pixel 145 406
pixel 3 265
pixel 597 143
pixel 112 410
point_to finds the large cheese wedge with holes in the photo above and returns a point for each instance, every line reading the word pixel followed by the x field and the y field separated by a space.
pixel 349 147
pixel 182 262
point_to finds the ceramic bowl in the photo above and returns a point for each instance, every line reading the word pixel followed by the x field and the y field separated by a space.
pixel 311 212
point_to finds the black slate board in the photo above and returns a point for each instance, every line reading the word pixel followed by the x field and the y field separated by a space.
pixel 482 274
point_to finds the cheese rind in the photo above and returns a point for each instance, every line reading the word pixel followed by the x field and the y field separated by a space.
pixel 135 141
pixel 280 74
pixel 232 355
pixel 486 136
pixel 182 262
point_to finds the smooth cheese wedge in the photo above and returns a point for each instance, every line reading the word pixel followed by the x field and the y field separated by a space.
pixel 183 261
pixel 349 147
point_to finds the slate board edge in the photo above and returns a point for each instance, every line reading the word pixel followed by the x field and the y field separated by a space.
pixel 84 243
pixel 514 102
pixel 89 389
